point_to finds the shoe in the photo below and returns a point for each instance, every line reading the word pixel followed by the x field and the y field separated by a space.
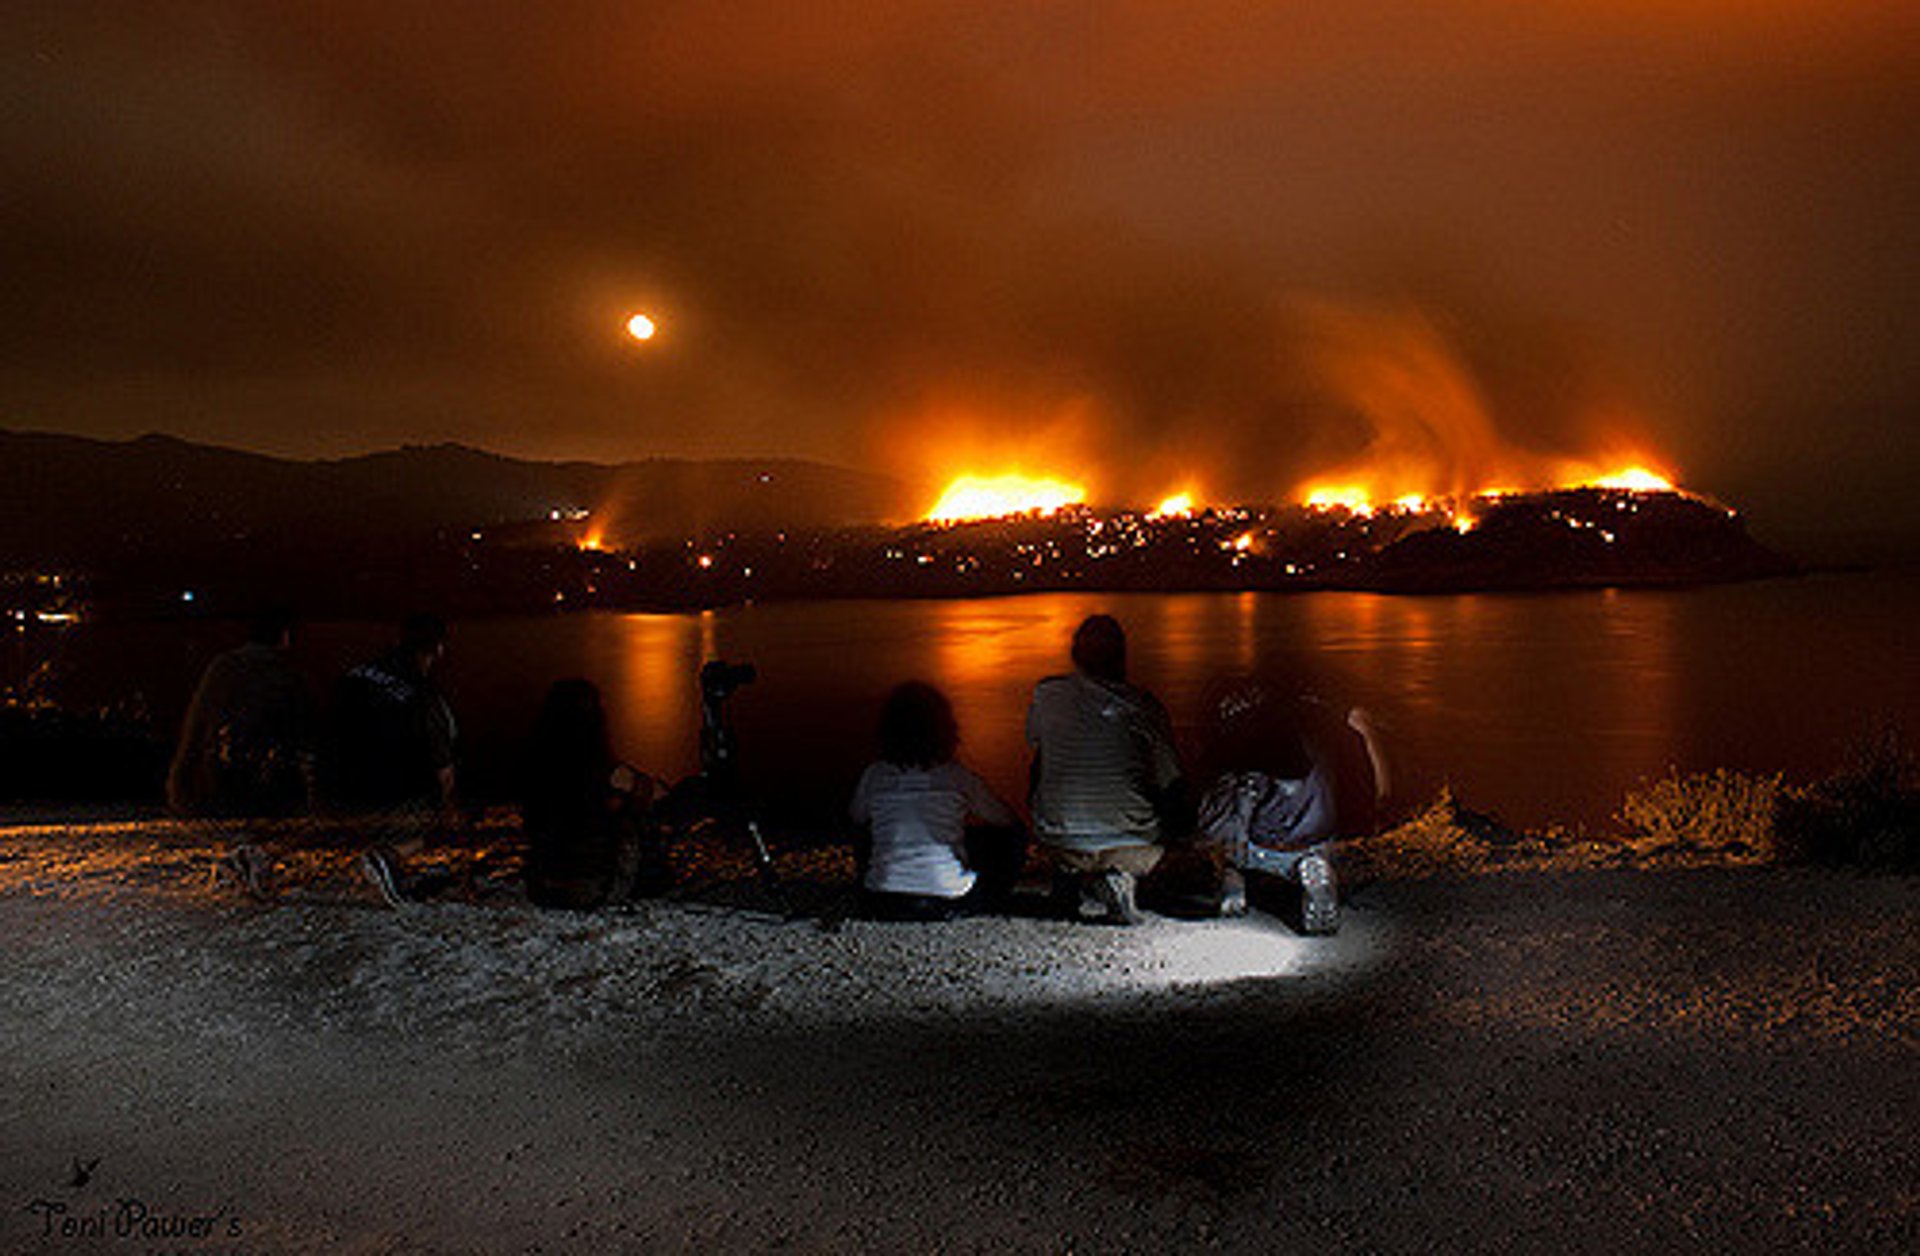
pixel 380 870
pixel 1064 897
pixel 246 866
pixel 1319 899
pixel 1112 892
pixel 1233 892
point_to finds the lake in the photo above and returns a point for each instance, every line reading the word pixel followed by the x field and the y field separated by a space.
pixel 1539 707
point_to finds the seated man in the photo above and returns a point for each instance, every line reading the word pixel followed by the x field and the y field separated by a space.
pixel 245 755
pixel 1105 777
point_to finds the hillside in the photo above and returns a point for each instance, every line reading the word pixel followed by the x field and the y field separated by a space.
pixel 73 500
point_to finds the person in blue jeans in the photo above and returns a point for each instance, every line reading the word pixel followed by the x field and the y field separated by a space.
pixel 1291 775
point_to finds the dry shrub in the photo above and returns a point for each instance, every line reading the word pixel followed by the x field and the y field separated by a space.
pixel 1866 815
pixel 1718 817
pixel 1445 839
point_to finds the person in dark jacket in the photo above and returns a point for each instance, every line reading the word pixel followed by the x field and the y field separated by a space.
pixel 393 749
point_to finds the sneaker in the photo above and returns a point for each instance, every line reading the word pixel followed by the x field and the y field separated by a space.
pixel 1319 900
pixel 380 870
pixel 1112 892
pixel 248 869
pixel 1233 892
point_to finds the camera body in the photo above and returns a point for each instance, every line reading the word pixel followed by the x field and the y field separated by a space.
pixel 718 679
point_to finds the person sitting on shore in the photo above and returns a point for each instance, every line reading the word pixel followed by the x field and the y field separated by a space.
pixel 245 754
pixel 582 810
pixel 1290 776
pixel 921 860
pixel 393 750
pixel 1107 787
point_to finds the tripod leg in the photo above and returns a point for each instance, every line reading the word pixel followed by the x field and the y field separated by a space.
pixel 768 873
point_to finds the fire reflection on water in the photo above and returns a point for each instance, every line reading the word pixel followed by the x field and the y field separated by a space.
pixel 1544 708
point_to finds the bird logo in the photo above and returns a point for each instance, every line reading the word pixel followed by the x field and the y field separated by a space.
pixel 82 1172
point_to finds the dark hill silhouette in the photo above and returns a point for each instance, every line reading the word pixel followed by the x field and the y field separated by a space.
pixel 76 500
pixel 1578 538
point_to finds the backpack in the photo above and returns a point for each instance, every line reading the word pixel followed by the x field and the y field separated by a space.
pixel 1242 809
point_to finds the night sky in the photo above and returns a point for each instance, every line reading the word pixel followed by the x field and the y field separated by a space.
pixel 1228 243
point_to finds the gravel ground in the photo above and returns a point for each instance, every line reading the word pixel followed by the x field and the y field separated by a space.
pixel 1713 1058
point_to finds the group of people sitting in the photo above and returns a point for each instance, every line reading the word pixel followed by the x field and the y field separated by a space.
pixel 1109 798
pixel 254 748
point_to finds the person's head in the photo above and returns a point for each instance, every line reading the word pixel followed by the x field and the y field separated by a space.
pixel 572 723
pixel 423 636
pixel 272 625
pixel 917 728
pixel 1100 648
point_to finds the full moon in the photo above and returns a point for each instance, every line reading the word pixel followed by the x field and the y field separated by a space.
pixel 640 327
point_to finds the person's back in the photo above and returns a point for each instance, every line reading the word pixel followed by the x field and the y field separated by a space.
pixel 581 829
pixel 916 802
pixel 245 742
pixel 1106 777
pixel 393 732
pixel 1105 753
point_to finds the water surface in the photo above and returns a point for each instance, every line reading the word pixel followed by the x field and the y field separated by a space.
pixel 1542 707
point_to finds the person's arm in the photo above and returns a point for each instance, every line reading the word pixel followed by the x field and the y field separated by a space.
pixel 195 729
pixel 860 811
pixel 1361 722
pixel 983 805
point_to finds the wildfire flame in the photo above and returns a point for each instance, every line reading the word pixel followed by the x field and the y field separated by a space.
pixel 1177 504
pixel 1365 499
pixel 1637 479
pixel 991 496
pixel 1352 497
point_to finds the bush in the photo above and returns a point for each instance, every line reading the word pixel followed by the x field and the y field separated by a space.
pixel 1725 815
pixel 1866 815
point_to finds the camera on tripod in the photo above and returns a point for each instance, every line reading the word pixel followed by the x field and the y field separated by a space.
pixel 718 681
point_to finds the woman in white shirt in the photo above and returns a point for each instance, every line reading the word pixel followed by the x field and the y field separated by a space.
pixel 923 862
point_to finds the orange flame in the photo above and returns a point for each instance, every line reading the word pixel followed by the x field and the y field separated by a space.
pixel 991 496
pixel 1173 505
pixel 1637 479
pixel 1354 497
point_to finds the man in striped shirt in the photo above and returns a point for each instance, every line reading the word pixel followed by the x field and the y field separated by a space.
pixel 1105 774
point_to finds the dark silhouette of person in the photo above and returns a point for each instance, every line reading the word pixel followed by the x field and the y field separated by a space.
pixel 393 749
pixel 939 842
pixel 245 753
pixel 583 810
pixel 1107 786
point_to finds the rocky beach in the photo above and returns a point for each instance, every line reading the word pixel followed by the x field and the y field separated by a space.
pixel 1575 1058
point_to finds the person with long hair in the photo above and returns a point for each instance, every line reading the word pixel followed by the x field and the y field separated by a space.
pixel 581 808
pixel 922 861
